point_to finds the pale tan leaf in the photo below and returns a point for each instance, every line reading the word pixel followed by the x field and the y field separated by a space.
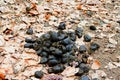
pixel 70 71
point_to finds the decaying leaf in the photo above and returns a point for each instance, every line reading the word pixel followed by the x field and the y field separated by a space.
pixel 30 62
pixel 96 64
pixel 52 77
pixel 48 0
pixel 70 71
pixel 33 12
pixel 2 41
pixel 2 76
pixel 48 15
pixel 1 58
pixel 79 7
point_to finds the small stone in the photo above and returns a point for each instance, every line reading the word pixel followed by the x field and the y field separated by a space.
pixel 50 70
pixel 118 21
pixel 80 72
pixel 62 26
pixel 38 74
pixel 52 62
pixel 92 28
pixel 89 12
pixel 29 31
pixel 28 40
pixel 28 45
pixel 28 9
pixel 94 46
pixel 82 49
pixel 84 77
pixel 79 32
pixel 58 68
pixel 87 38
pixel 43 60
pixel 84 67
pixel 95 79
pixel 66 41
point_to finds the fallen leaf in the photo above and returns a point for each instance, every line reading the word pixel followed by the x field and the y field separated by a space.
pixel 31 56
pixel 48 15
pixel 110 66
pixel 7 31
pixel 70 71
pixel 10 49
pixel 31 62
pixel 2 76
pixel 2 41
pixel 96 65
pixel 33 12
pixel 117 64
pixel 101 73
pixel 112 41
pixel 48 0
pixel 79 7
pixel 34 6
pixel 52 77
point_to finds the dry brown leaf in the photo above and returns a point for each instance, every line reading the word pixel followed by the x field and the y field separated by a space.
pixel 34 6
pixel 2 76
pixel 47 16
pixel 48 0
pixel 33 12
pixel 7 31
pixel 79 7
pixel 96 65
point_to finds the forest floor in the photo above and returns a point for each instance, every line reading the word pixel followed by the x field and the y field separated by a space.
pixel 16 16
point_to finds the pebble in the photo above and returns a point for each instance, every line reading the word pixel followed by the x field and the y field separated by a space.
pixel 58 68
pixel 43 60
pixel 92 28
pixel 118 21
pixel 29 31
pixel 38 74
pixel 79 32
pixel 94 46
pixel 84 77
pixel 82 49
pixel 62 26
pixel 87 38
